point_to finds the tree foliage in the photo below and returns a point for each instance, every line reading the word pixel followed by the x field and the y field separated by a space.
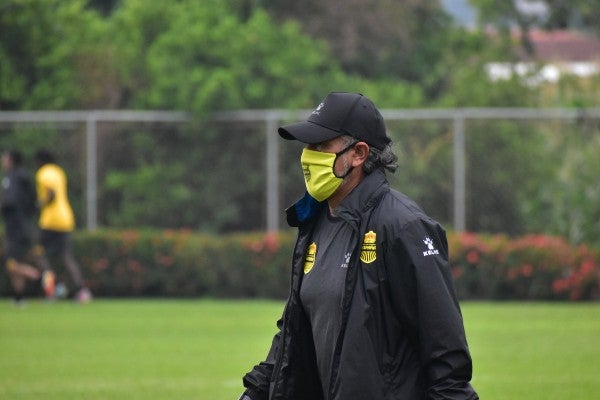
pixel 560 14
pixel 550 14
pixel 375 39
pixel 260 54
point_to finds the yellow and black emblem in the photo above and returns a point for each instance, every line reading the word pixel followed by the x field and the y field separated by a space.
pixel 368 252
pixel 309 260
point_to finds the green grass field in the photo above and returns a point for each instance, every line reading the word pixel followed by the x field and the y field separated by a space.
pixel 170 349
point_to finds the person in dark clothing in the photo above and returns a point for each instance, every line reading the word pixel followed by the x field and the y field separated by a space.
pixel 372 312
pixel 18 207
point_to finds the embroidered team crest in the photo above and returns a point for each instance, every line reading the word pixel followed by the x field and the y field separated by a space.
pixel 306 172
pixel 309 260
pixel 368 252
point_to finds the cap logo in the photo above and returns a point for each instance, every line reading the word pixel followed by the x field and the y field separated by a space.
pixel 318 109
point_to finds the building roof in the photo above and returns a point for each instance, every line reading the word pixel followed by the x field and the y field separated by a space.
pixel 564 46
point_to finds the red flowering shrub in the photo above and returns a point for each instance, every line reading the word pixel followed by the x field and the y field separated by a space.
pixel 532 267
pixel 186 264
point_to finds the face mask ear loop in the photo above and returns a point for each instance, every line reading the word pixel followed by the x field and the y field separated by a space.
pixel 339 153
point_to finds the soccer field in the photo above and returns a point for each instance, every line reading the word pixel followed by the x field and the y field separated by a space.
pixel 200 349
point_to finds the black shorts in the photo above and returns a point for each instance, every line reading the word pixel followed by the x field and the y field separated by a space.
pixel 18 238
pixel 55 243
pixel 16 249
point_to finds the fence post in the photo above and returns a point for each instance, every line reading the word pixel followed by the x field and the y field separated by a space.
pixel 91 172
pixel 459 172
pixel 272 166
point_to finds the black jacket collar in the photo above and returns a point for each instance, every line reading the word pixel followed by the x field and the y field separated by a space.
pixel 364 196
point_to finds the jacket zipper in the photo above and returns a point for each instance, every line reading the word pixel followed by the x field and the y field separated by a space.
pixel 348 294
pixel 287 316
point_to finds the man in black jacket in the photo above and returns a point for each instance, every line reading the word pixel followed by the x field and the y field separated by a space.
pixel 18 207
pixel 372 312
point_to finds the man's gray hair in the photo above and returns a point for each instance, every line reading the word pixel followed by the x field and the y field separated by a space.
pixel 385 158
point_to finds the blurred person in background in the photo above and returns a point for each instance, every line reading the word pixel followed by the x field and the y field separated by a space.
pixel 18 207
pixel 372 312
pixel 57 221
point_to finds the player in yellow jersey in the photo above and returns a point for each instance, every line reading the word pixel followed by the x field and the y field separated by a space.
pixel 56 220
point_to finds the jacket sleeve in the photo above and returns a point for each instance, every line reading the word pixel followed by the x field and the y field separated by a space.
pixel 257 381
pixel 425 301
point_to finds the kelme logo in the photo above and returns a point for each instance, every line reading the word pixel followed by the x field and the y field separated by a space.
pixel 309 259
pixel 368 252
pixel 431 250
pixel 318 109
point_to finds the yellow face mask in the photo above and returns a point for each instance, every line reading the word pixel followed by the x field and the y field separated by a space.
pixel 317 167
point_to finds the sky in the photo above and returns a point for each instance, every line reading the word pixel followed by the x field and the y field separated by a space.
pixel 461 11
pixel 466 15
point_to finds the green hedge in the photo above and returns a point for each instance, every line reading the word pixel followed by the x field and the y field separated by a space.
pixel 188 264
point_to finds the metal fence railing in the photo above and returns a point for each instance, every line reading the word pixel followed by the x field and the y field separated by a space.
pixel 464 165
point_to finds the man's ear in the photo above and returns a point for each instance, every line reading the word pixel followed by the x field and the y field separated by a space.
pixel 361 152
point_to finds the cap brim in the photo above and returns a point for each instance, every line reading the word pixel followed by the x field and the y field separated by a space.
pixel 307 132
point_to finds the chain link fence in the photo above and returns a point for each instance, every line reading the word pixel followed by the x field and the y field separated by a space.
pixel 513 171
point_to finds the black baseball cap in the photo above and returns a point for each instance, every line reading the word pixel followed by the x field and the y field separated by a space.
pixel 338 114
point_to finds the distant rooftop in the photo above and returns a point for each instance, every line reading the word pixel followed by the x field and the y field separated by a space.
pixel 564 46
pixel 557 53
